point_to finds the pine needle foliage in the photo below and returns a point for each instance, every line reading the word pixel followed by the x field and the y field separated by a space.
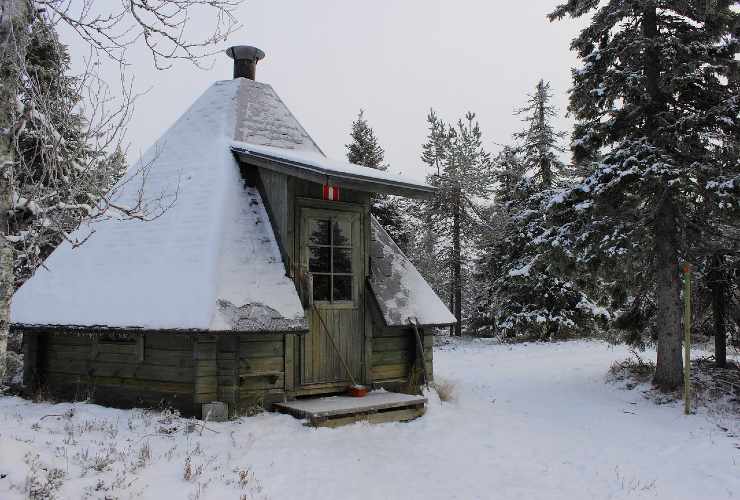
pixel 657 120
pixel 522 290
pixel 365 149
pixel 463 174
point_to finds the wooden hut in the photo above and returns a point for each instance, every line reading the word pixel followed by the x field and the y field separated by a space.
pixel 265 279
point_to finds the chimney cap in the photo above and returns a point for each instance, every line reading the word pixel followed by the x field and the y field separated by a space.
pixel 245 52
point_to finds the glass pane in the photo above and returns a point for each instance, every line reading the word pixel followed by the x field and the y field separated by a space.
pixel 342 288
pixel 342 233
pixel 318 231
pixel 342 260
pixel 321 287
pixel 319 259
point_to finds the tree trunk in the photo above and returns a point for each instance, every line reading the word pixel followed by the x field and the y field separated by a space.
pixel 456 264
pixel 13 23
pixel 452 289
pixel 718 287
pixel 545 167
pixel 669 366
pixel 452 294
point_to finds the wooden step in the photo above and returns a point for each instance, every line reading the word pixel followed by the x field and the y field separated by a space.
pixel 377 407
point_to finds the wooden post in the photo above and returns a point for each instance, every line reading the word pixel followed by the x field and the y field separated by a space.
pixel 687 338
pixel 420 349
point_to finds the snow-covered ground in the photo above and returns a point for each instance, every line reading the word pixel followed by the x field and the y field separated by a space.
pixel 530 421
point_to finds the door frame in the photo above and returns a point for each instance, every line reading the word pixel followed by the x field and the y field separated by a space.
pixel 360 249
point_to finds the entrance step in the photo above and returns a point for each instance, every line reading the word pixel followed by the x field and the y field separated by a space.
pixel 377 407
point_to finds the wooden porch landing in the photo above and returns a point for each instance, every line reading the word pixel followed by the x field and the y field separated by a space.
pixel 376 407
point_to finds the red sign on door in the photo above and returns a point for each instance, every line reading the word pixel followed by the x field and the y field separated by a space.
pixel 331 193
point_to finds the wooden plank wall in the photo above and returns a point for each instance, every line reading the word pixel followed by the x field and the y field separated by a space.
pixel 156 370
pixel 274 190
pixel 228 370
pixel 183 371
pixel 393 353
pixel 205 376
pixel 261 371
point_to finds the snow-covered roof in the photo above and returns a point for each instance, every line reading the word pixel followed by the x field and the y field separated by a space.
pixel 315 166
pixel 211 262
pixel 402 293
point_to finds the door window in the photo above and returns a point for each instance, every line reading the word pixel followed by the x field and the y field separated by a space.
pixel 330 259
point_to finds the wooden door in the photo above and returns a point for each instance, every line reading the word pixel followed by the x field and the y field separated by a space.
pixel 332 252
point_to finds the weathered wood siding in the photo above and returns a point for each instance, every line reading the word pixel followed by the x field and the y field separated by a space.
pixel 261 365
pixel 274 190
pixel 181 370
pixel 153 370
pixel 205 373
pixel 394 352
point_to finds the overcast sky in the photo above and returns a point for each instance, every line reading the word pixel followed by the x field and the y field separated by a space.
pixel 395 59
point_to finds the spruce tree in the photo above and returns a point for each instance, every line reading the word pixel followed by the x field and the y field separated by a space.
pixel 523 289
pixel 540 143
pixel 509 173
pixel 365 150
pixel 58 176
pixel 654 109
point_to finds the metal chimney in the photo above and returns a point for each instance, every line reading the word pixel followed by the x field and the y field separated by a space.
pixel 245 60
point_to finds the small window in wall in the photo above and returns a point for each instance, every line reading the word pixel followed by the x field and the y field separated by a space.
pixel 117 338
pixel 330 259
pixel 106 343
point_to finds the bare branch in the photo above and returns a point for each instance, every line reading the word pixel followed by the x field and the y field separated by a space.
pixel 161 24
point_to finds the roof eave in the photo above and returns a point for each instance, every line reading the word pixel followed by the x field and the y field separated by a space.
pixel 90 329
pixel 321 175
pixel 422 325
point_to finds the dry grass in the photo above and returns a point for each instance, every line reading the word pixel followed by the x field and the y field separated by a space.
pixel 100 457
pixel 446 390
pixel 711 384
pixel 716 389
pixel 42 481
pixel 632 371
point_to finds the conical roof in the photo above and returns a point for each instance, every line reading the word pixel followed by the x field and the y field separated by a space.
pixel 210 262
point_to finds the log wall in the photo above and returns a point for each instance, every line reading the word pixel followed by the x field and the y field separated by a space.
pixel 261 371
pixel 155 369
pixel 394 354
pixel 135 370
pixel 395 360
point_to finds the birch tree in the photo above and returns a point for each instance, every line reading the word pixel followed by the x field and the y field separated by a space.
pixel 44 195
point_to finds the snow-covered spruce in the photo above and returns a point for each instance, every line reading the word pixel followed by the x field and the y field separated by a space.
pixel 365 150
pixel 463 174
pixel 657 127
pixel 522 287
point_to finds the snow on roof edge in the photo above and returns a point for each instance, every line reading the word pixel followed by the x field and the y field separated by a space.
pixel 323 165
pixel 168 271
pixel 398 286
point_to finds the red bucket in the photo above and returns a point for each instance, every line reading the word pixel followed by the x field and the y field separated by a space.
pixel 357 391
